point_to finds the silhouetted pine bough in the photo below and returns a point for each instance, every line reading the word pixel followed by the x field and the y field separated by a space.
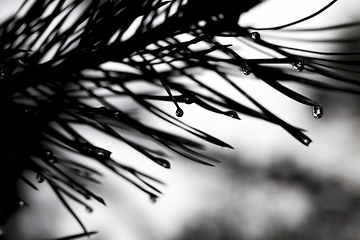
pixel 52 67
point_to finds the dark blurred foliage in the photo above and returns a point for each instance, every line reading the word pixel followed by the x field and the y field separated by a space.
pixel 51 71
pixel 335 207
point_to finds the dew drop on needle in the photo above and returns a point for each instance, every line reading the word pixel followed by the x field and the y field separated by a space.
pixel 317 111
pixel 89 209
pixel 100 152
pixel 188 99
pixel 298 66
pixel 232 114
pixel 153 198
pixel 40 178
pixel 255 36
pixel 179 112
pixel 246 72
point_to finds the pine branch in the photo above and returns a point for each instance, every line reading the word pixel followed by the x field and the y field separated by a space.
pixel 52 65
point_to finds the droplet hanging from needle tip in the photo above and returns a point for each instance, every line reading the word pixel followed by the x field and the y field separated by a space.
pixel 317 111
pixel 246 72
pixel 40 178
pixel 232 114
pixel 179 112
pixel 153 198
pixel 89 209
pixel 22 63
pixel 162 162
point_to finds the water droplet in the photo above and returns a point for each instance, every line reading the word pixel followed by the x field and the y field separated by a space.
pixel 28 110
pixel 232 114
pixel 4 72
pixel 163 162
pixel 22 63
pixel 89 209
pixel 100 152
pixel 40 178
pixel 305 140
pixel 317 111
pixel 117 114
pixel 21 203
pixel 298 66
pixel 2 230
pixel 166 164
pixel 48 153
pixel 246 72
pixel 53 160
pixel 153 198
pixel 256 36
pixel 179 112
pixel 188 99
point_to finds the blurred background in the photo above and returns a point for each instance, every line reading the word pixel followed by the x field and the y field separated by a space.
pixel 269 187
